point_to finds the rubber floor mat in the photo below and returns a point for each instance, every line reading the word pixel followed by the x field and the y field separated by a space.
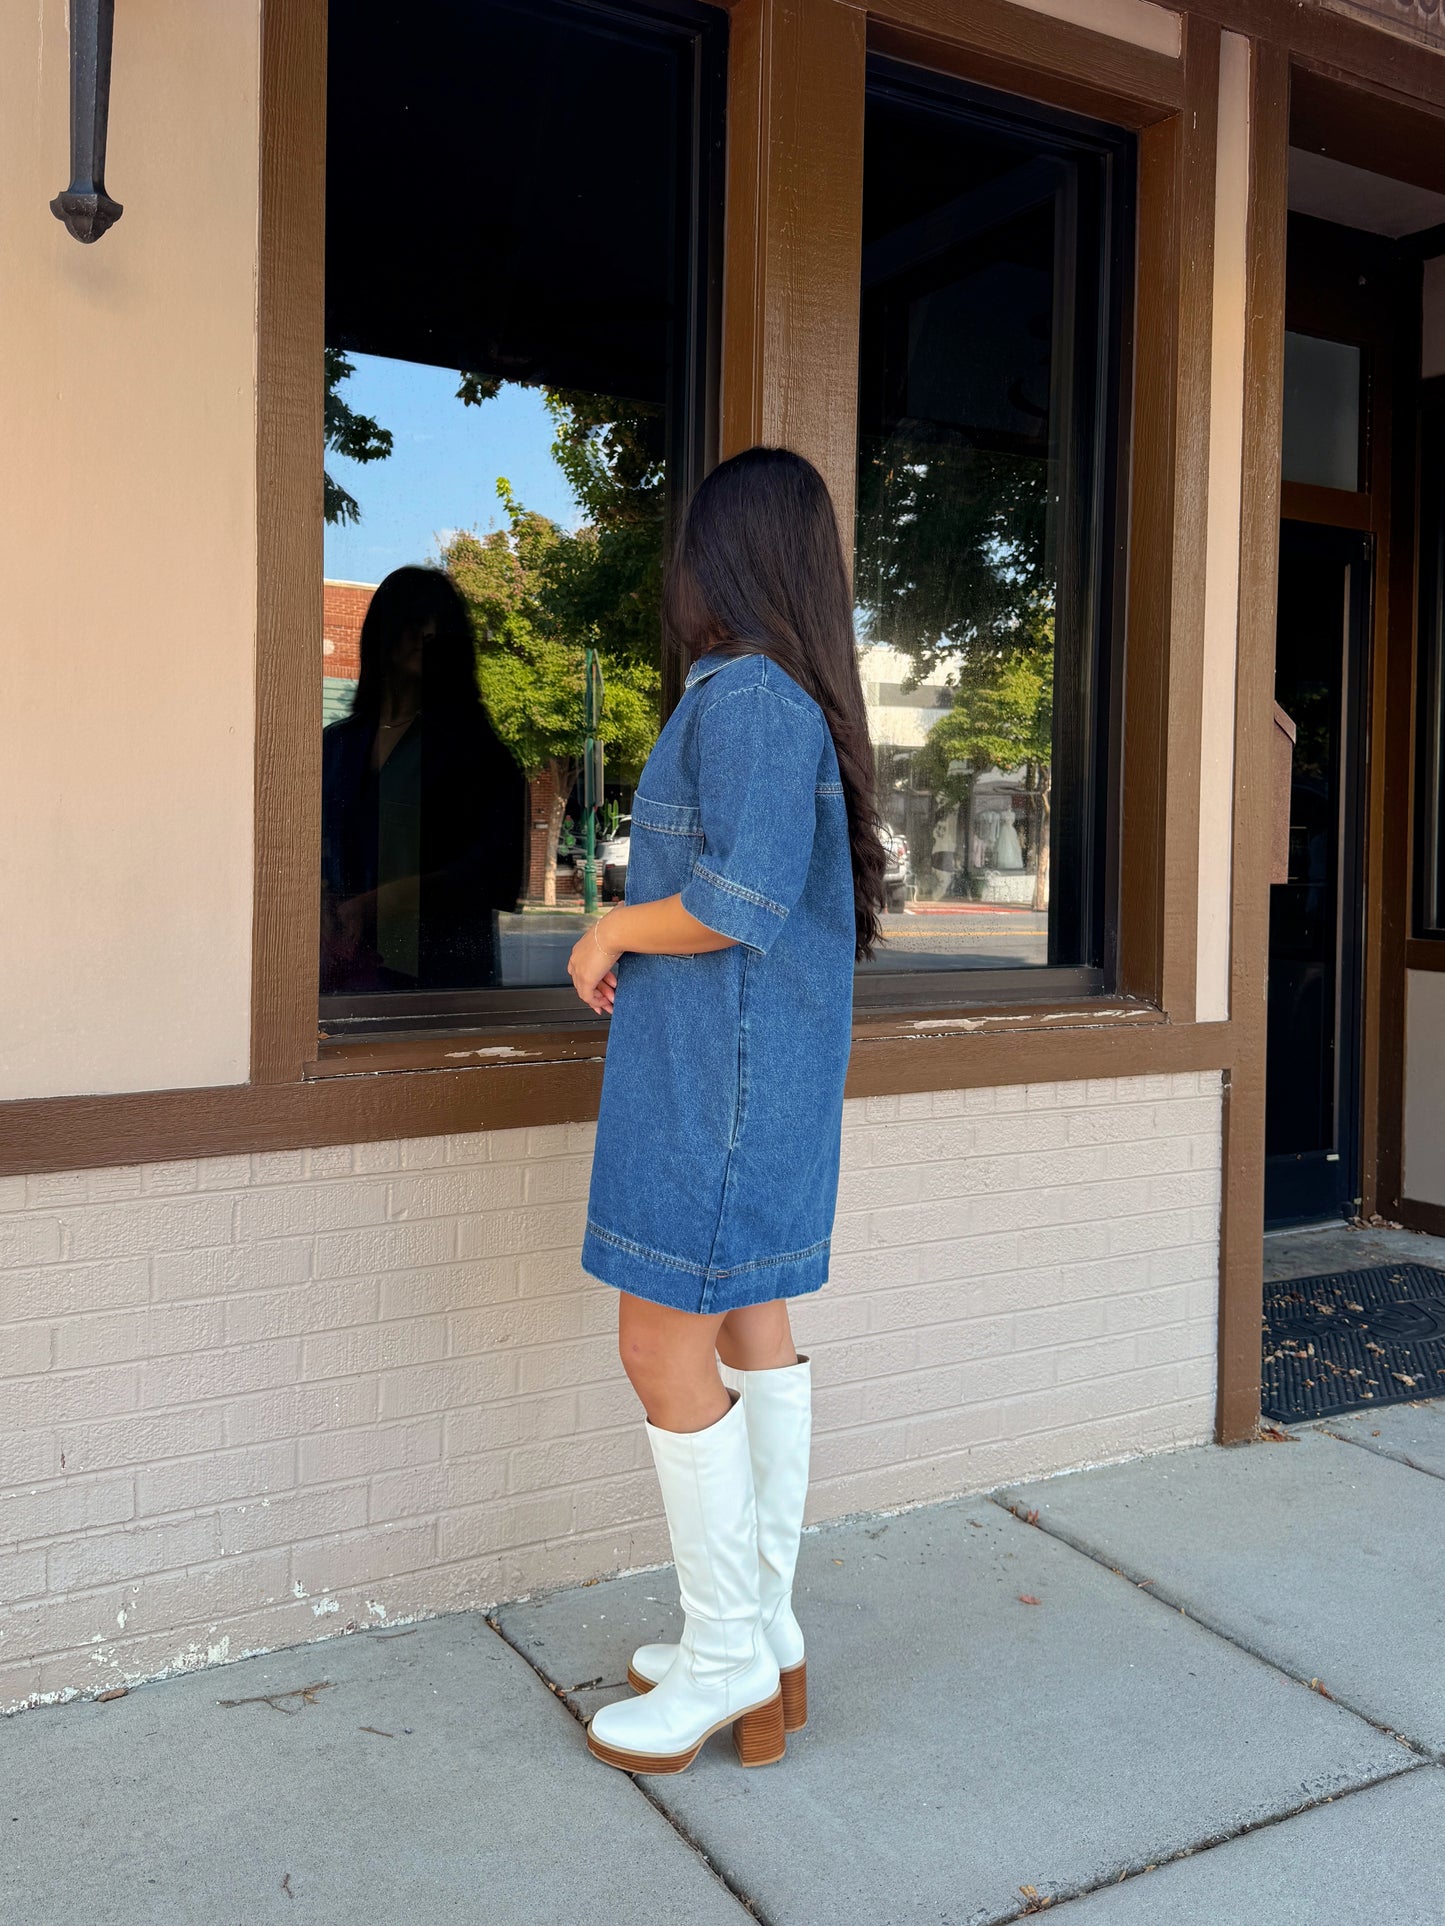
pixel 1351 1339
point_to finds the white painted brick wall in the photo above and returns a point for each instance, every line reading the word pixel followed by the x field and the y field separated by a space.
pixel 249 1401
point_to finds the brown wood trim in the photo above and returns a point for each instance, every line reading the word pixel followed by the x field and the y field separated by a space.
pixel 1377 130
pixel 1241 1291
pixel 1393 754
pixel 794 235
pixel 1418 1216
pixel 1163 692
pixel 1335 44
pixel 895 1066
pixel 1425 953
pixel 1087 1013
pixel 290 339
pixel 1033 54
pixel 76 1133
pixel 1334 507
pixel 470 1050
pixel 580 1042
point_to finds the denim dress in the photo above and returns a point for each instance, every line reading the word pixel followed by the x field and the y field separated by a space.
pixel 715 1174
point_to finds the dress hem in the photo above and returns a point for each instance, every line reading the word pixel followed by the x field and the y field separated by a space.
pixel 692 1287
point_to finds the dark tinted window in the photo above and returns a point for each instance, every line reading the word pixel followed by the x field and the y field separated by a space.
pixel 518 285
pixel 991 334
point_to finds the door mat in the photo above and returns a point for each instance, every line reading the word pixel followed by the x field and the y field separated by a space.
pixel 1352 1339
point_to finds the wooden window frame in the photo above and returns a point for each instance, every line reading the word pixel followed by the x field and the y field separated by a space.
pixel 789 367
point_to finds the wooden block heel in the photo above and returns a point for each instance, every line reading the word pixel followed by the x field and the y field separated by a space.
pixel 758 1736
pixel 795 1696
pixel 794 1687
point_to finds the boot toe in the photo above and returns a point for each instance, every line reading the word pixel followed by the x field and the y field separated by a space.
pixel 649 1663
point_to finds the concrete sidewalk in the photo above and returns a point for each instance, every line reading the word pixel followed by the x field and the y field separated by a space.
pixel 1202 1687
pixel 1198 1687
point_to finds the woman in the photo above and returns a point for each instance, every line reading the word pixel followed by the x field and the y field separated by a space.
pixel 755 878
pixel 423 807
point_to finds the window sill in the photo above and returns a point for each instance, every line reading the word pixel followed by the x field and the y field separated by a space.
pixel 587 1043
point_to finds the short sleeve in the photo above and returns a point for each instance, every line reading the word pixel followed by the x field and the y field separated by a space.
pixel 758 756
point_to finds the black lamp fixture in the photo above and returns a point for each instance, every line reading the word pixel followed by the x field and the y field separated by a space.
pixel 85 207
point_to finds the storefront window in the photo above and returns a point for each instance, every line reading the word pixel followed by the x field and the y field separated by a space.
pixel 1321 438
pixel 519 256
pixel 988 385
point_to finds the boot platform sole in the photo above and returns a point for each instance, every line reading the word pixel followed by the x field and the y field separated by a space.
pixel 794 1689
pixel 758 1739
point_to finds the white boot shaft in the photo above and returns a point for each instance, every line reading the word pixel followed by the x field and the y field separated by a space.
pixel 723 1666
pixel 778 1409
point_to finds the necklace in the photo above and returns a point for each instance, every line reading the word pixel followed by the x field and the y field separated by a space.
pixel 401 721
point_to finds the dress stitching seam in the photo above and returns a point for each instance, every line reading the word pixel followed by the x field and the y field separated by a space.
pixel 737 889
pixel 697 1270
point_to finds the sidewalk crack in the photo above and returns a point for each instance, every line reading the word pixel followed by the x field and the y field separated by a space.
pixel 562 1695
pixel 1141 1581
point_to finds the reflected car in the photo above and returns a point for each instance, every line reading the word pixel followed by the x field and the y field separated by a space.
pixel 612 857
pixel 898 875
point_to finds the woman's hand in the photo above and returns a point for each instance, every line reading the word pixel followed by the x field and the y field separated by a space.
pixel 591 967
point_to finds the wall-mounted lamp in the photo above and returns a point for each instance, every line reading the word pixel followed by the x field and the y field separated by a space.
pixel 85 207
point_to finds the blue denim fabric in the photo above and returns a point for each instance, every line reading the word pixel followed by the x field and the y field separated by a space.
pixel 716 1168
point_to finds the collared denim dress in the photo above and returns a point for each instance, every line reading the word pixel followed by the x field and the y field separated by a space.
pixel 715 1174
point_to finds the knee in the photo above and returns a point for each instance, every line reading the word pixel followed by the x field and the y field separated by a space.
pixel 643 1361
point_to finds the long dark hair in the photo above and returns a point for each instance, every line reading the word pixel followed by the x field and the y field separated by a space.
pixel 757 566
pixel 405 599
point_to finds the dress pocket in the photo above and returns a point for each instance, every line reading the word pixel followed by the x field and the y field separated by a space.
pixel 664 839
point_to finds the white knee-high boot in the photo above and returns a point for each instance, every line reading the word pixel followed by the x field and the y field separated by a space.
pixel 778 1406
pixel 722 1671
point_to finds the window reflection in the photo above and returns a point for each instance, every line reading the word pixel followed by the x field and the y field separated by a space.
pixel 511 403
pixel 984 284
pixel 423 804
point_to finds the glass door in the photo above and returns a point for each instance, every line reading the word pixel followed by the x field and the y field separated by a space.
pixel 1312 1156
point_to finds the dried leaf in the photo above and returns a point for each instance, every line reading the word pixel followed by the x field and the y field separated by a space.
pixel 1027 1598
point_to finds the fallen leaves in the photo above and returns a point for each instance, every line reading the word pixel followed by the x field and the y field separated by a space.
pixel 1272 1434
pixel 116 1692
pixel 1027 1598
pixel 1323 1691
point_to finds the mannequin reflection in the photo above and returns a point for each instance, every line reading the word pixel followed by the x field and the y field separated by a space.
pixel 424 809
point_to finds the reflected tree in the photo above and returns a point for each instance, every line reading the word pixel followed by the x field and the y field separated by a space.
pixel 358 437
pixel 522 584
pixel 955 573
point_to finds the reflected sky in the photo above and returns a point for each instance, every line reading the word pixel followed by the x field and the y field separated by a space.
pixel 443 468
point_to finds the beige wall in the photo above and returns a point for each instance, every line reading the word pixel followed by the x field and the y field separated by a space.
pixel 127 560
pixel 250 1401
pixel 1137 21
pixel 1425 1086
pixel 1221 578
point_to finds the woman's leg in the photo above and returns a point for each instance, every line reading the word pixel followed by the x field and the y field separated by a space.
pixel 671 1359
pixel 757 1337
pixel 722 1672
pixel 755 1344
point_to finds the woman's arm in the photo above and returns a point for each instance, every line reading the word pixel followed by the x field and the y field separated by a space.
pixel 660 928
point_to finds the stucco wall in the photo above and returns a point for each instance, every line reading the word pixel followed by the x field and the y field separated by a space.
pixel 127 560
pixel 250 1401
pixel 1424 1087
